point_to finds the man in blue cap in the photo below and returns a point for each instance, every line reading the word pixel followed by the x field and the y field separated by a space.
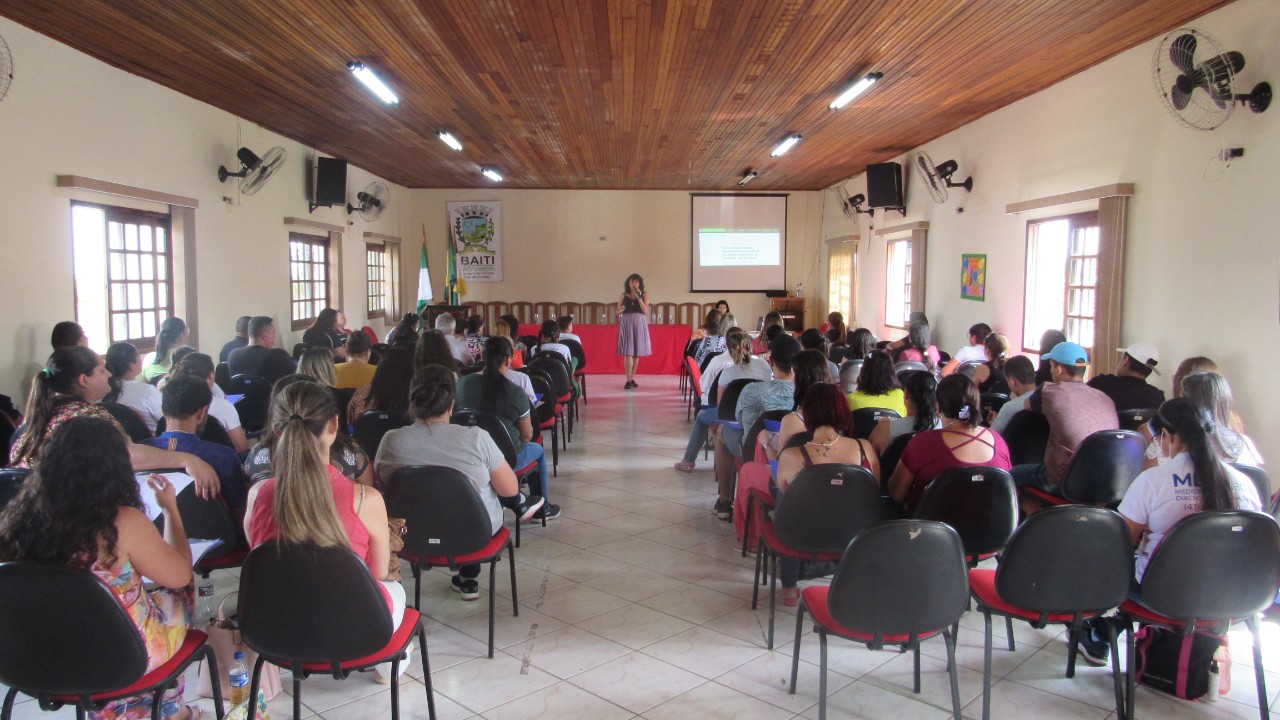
pixel 1074 411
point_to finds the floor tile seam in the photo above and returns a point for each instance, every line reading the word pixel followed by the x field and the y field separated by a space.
pixel 766 701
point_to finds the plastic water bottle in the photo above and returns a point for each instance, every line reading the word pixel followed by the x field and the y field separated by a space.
pixel 239 680
pixel 205 606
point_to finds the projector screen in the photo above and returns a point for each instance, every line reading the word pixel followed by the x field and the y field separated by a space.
pixel 739 243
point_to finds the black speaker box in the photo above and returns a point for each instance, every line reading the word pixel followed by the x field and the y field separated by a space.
pixel 884 185
pixel 775 293
pixel 331 181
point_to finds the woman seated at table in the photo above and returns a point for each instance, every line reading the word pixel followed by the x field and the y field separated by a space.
pixel 82 508
pixel 344 453
pixel 961 442
pixel 307 500
pixel 920 395
pixel 878 386
pixel 827 417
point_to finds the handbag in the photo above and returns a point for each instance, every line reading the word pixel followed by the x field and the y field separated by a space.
pixel 1177 664
pixel 224 638
pixel 396 526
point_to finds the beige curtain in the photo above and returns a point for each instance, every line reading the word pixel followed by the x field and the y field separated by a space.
pixel 840 278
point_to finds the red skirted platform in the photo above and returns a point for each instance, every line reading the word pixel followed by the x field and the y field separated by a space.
pixel 600 342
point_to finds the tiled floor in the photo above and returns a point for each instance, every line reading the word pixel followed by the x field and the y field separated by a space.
pixel 636 604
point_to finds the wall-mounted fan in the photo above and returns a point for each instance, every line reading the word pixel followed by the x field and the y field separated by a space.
pixel 843 196
pixel 6 68
pixel 1196 78
pixel 373 200
pixel 254 171
pixel 938 177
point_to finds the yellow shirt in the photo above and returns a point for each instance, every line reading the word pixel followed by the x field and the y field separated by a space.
pixel 353 374
pixel 892 400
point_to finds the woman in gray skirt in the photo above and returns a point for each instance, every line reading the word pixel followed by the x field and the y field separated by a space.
pixel 633 326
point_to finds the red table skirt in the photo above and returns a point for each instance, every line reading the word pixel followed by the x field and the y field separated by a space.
pixel 600 342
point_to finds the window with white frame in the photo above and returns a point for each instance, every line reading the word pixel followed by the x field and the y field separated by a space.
pixel 898 279
pixel 308 278
pixel 1061 290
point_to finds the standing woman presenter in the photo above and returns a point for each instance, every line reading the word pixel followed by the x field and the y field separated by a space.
pixel 633 326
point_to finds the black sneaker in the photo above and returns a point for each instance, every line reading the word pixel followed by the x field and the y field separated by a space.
pixel 549 511
pixel 528 507
pixel 470 589
pixel 724 510
pixel 1095 651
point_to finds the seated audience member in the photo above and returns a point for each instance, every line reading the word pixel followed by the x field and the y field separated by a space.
pixel 735 363
pixel 514 323
pixel 173 334
pixel 834 328
pixel 878 386
pixel 960 442
pixel 432 440
pixel 1191 366
pixel 446 324
pixel 990 375
pixel 344 454
pixel 261 356
pixel 975 351
pixel 1021 376
pixel 1128 388
pixel 405 333
pixel 760 345
pixel 813 339
pixel 861 344
pixel 918 347
pixel 73 380
pixel 1048 341
pixel 85 483
pixel 566 328
pixel 186 410
pixel 240 340
pixel 388 391
pixel 754 401
pixel 1194 479
pixel 549 341
pixel 306 500
pixel 356 371
pixel 340 325
pixel 492 392
pixel 1210 391
pixel 827 417
pixel 475 337
pixel 324 333
pixel 920 396
pixel 896 346
pixel 317 363
pixel 727 322
pixel 503 329
pixel 199 365
pixel 433 348
pixel 712 340
pixel 1074 411
pixel 68 334
pixel 125 364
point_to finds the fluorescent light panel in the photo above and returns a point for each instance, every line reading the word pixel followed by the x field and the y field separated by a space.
pixel 785 145
pixel 373 82
pixel 854 91
pixel 747 177
pixel 492 174
pixel 448 139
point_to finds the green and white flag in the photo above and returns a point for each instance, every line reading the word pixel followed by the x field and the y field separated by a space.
pixel 424 282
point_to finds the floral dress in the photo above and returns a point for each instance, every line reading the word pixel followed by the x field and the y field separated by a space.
pixel 65 408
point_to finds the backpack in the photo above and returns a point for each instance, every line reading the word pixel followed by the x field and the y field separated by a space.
pixel 1177 664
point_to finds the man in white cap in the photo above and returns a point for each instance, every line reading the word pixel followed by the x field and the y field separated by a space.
pixel 1128 388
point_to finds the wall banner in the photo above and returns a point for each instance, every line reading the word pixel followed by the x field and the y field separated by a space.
pixel 475 229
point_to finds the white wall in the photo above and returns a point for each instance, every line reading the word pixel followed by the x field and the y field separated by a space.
pixel 1202 258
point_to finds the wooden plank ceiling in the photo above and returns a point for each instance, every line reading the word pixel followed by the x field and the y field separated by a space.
pixel 624 94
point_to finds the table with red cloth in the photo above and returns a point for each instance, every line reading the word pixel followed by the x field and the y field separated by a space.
pixel 600 343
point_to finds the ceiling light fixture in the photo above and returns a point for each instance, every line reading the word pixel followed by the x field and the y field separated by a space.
pixel 855 90
pixel 373 82
pixel 785 145
pixel 448 139
pixel 492 174
pixel 747 177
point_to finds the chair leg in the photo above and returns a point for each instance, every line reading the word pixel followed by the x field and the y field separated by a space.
pixel 426 672
pixel 511 560
pixel 915 668
pixel 755 578
pixel 297 695
pixel 156 700
pixel 1115 668
pixel 746 524
pixel 1073 647
pixel 254 682
pixel 986 666
pixel 395 687
pixel 215 681
pixel 583 383
pixel 8 704
pixel 773 596
pixel 1008 629
pixel 493 565
pixel 1260 675
pixel 822 674
pixel 951 667
pixel 1130 658
pixel 417 585
pixel 517 531
pixel 795 648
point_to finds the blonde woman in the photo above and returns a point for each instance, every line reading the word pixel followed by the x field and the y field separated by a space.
pixel 317 363
pixel 735 364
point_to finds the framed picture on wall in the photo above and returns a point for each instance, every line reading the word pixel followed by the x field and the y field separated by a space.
pixel 973 277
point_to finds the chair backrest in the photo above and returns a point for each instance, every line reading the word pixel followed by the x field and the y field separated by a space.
pixel 130 420
pixel 1215 565
pixel 477 308
pixel 695 374
pixel 372 425
pixel 491 424
pixel 298 349
pixel 849 373
pixel 908 366
pixel 967 368
pixel 1260 480
pixel 707 360
pixel 208 520
pixel 575 349
pixel 826 505
pixel 1027 436
pixel 64 632
pixel 222 375
pixel 572 309
pixel 728 401
pixel 865 419
pixel 1069 558
pixel 523 311
pixel 753 432
pixel 252 408
pixel 546 411
pixel 665 313
pixel 993 401
pixel 598 313
pixel 690 314
pixel 443 513
pixel 495 309
pixel 554 367
pixel 11 480
pixel 544 310
pixel 1135 418
pixel 901 577
pixel 342 396
pixel 981 503
pixel 889 460
pixel 1104 466
pixel 303 602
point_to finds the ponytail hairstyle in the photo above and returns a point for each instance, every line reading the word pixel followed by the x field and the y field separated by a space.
pixel 170 331
pixel 920 337
pixel 317 363
pixel 922 388
pixel 497 352
pixel 1193 426
pixel 1210 391
pixel 120 358
pixel 304 508
pixel 836 329
pixel 193 364
pixel 432 392
pixel 60 376
pixel 958 398
pixel 997 345
pixel 738 345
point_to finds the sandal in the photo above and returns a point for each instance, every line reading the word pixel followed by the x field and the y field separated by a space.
pixel 790 597
pixel 685 467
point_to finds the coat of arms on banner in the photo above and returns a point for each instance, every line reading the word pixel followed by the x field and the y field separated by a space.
pixel 477 236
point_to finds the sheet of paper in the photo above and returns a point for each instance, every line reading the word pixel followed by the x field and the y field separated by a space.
pixel 233 399
pixel 149 505
pixel 198 548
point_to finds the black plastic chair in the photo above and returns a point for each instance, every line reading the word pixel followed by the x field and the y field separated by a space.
pixel 1135 418
pixel 1101 470
pixel 1063 565
pixel 545 413
pixel 446 525
pixel 889 460
pixel 898 583
pixel 814 520
pixel 134 426
pixel 865 419
pixel 11 480
pixel 992 402
pixel 981 503
pixel 562 388
pixel 579 354
pixel 492 425
pixel 298 349
pixel 969 367
pixel 727 404
pixel 1027 436
pixel 372 425
pixel 222 375
pixel 65 639
pixel 1213 567
pixel 252 408
pixel 707 360
pixel 318 610
pixel 1260 480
